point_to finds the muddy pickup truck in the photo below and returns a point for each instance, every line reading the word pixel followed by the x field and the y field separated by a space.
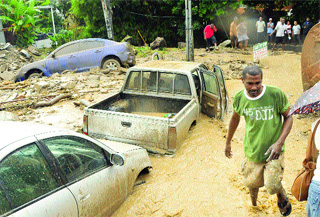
pixel 157 104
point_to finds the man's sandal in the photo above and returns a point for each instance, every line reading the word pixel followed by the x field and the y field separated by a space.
pixel 285 207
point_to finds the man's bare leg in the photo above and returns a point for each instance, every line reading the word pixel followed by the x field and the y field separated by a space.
pixel 254 195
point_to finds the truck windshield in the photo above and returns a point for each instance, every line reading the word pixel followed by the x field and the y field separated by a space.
pixel 160 82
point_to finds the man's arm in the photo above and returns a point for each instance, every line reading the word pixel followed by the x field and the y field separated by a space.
pixel 233 125
pixel 276 148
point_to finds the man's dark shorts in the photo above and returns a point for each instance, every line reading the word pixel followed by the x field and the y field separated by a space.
pixel 211 41
pixel 233 38
pixel 280 40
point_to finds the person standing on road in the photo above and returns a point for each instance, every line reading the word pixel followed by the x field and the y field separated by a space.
pixel 270 27
pixel 263 108
pixel 280 29
pixel 233 33
pixel 289 32
pixel 208 33
pixel 242 35
pixel 296 29
pixel 306 26
pixel 313 202
pixel 260 25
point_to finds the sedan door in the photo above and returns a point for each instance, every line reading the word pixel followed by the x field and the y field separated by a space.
pixel 98 186
pixel 91 53
pixel 29 187
pixel 66 58
pixel 211 103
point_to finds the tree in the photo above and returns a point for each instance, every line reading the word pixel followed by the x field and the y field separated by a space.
pixel 22 18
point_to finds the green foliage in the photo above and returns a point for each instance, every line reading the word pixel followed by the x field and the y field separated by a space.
pixel 153 18
pixel 22 17
pixel 65 36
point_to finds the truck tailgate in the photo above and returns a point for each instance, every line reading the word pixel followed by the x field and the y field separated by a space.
pixel 146 131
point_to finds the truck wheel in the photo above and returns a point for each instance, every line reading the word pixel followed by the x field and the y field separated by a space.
pixel 112 65
pixel 34 75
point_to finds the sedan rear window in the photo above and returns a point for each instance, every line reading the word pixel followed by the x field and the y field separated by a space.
pixel 25 175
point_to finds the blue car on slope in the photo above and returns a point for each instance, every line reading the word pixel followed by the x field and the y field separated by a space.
pixel 81 55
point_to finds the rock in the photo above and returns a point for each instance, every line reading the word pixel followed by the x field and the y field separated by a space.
pixel 25 54
pixel 182 44
pixel 225 43
pixel 7 76
pixel 84 102
pixel 4 46
pixel 41 86
pixel 8 116
pixel 94 77
pixel 105 71
pixel 34 50
pixel 69 85
pixel 2 55
pixel 158 43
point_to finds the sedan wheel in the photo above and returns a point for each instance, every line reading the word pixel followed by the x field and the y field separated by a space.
pixel 112 65
pixel 34 75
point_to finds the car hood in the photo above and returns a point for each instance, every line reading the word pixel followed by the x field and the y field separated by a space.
pixel 119 146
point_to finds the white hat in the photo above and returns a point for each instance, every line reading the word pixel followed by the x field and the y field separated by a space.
pixel 270 18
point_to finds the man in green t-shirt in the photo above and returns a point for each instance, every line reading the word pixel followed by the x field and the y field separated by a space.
pixel 263 108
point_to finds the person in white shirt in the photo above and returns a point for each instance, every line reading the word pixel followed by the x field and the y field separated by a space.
pixel 260 25
pixel 289 32
pixel 270 27
pixel 296 29
pixel 313 202
pixel 280 29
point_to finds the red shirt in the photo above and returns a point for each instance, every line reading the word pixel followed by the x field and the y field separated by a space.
pixel 209 32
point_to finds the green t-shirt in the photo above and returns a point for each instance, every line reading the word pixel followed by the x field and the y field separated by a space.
pixel 263 120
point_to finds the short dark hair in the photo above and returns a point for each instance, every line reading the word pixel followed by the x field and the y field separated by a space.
pixel 251 70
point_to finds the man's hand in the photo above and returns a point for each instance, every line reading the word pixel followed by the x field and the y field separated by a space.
pixel 275 151
pixel 228 151
pixel 205 38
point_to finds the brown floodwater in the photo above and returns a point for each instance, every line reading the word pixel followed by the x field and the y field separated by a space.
pixel 199 180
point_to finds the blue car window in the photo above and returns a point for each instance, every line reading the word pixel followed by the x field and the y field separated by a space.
pixel 88 45
pixel 25 175
pixel 71 48
pixel 77 157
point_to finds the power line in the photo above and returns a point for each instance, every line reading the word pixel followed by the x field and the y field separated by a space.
pixel 147 15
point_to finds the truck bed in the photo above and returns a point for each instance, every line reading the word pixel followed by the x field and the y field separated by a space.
pixel 142 105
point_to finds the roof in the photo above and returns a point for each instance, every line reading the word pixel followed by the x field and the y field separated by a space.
pixel 169 65
pixel 12 131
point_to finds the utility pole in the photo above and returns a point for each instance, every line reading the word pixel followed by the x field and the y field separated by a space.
pixel 189 31
pixel 107 12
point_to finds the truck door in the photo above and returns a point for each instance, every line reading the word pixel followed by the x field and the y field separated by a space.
pixel 211 103
pixel 223 88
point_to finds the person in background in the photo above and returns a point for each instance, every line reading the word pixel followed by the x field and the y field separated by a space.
pixel 313 202
pixel 270 27
pixel 233 33
pixel 296 29
pixel 280 29
pixel 265 109
pixel 289 32
pixel 306 26
pixel 260 25
pixel 242 35
pixel 208 33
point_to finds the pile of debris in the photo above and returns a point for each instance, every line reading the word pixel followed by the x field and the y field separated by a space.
pixel 47 91
pixel 12 59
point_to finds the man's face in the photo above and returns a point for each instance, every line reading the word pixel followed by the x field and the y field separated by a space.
pixel 260 18
pixel 212 26
pixel 295 22
pixel 253 84
pixel 308 19
pixel 282 20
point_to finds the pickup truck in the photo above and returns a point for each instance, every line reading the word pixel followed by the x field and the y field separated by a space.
pixel 157 104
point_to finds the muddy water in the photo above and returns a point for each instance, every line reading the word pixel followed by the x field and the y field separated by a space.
pixel 200 181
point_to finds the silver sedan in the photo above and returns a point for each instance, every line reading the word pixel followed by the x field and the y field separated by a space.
pixel 47 171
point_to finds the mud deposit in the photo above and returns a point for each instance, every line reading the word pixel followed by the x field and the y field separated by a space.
pixel 199 180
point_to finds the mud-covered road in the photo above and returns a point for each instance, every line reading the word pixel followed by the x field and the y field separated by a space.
pixel 199 180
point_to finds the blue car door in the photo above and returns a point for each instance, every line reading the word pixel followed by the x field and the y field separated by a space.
pixel 66 58
pixel 91 54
